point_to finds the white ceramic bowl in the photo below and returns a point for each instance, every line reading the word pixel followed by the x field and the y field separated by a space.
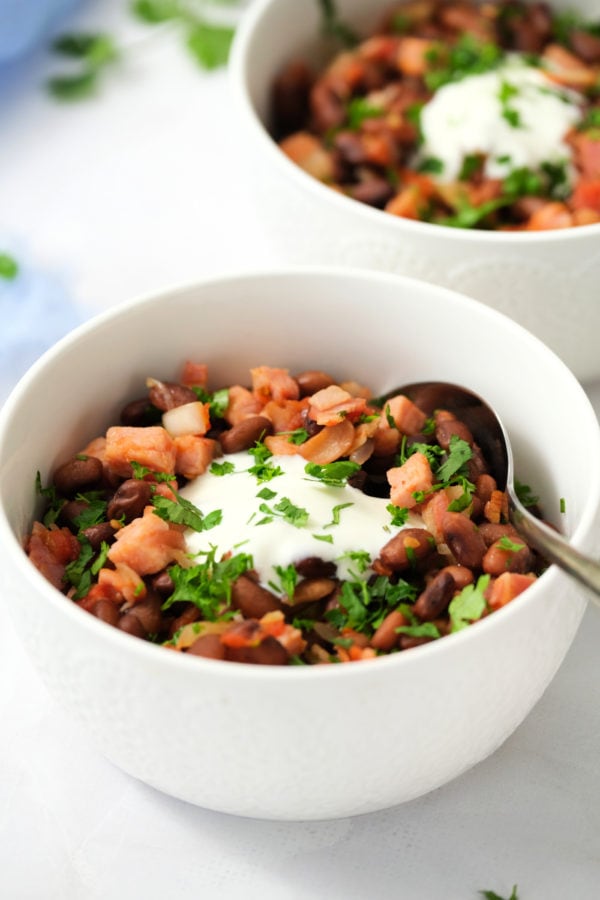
pixel 300 742
pixel 547 281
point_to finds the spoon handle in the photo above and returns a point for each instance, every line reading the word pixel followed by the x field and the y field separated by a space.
pixel 555 548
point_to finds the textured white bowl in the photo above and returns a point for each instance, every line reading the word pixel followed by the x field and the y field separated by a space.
pixel 547 281
pixel 314 742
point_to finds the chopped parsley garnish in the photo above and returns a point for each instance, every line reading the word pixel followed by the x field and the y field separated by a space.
pixel 491 895
pixel 78 572
pixel 218 401
pixel 505 543
pixel 332 26
pixel 335 513
pixel 286 510
pixel 419 630
pixel 266 494
pixel 208 584
pixel 326 538
pixel 399 514
pixel 507 93
pixel 563 505
pixel 139 471
pixel 470 165
pixel 361 559
pixel 334 474
pixel 94 512
pixel 364 606
pixel 467 56
pixel 298 436
pixel 93 52
pixel 263 470
pixel 221 468
pixel 9 268
pixel 525 495
pixel 359 109
pixel 54 503
pixel 431 165
pixel 183 512
pixel 288 578
pixel 469 605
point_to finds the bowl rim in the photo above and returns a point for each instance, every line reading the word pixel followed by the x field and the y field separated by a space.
pixel 144 650
pixel 240 62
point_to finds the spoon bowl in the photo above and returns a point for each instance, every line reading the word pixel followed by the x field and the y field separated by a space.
pixel 491 436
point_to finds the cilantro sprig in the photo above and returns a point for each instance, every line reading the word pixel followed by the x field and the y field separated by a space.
pixel 469 605
pixel 181 511
pixel 93 53
pixel 208 584
pixel 334 474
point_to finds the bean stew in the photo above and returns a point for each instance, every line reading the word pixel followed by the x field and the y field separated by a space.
pixel 397 534
pixel 458 113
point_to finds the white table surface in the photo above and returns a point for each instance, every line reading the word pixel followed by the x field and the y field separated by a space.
pixel 124 195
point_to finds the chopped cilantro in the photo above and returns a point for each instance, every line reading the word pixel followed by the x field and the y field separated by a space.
pixel 94 52
pixel 469 605
pixel 221 468
pixel 361 558
pixel 208 584
pixel 467 56
pixel 139 471
pixel 563 505
pixel 459 453
pixel 334 474
pixel 431 165
pixel 327 538
pixel 358 109
pixel 399 514
pixel 525 495
pixel 78 573
pixel 288 578
pixel 9 268
pixel 94 512
pixel 210 44
pixel 54 502
pixel 364 606
pixel 299 436
pixel 422 629
pixel 335 512
pixel 266 494
pixel 218 401
pixel 491 895
pixel 470 165
pixel 183 512
pixel 505 543
pixel 263 470
pixel 286 510
pixel 332 26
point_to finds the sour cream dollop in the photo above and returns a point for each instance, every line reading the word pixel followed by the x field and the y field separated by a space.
pixel 341 520
pixel 514 114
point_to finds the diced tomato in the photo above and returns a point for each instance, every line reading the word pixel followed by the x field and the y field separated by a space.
pixel 51 550
pixel 506 587
pixel 587 194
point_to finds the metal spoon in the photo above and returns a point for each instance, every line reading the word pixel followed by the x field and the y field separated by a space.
pixel 490 434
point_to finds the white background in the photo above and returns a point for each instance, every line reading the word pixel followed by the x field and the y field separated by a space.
pixel 123 195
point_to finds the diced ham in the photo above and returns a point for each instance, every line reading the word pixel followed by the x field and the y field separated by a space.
pixel 194 373
pixel 550 216
pixel 405 480
pixel 274 384
pixel 333 404
pixel 286 416
pixel 242 403
pixel 147 544
pixel 308 152
pixel 407 417
pixel 151 447
pixel 193 454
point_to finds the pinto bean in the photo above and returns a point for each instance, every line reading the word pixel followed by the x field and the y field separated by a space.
pixel 163 584
pixel 312 589
pixel 448 426
pixel 129 500
pixel 315 567
pixel 77 473
pixel 165 395
pixel 268 653
pixel 463 538
pixel 386 637
pixel 131 625
pixel 98 534
pixel 410 545
pixel 373 191
pixel 190 614
pixel 492 532
pixel 252 600
pixel 313 380
pixel 139 413
pixel 245 434
pixel 209 646
pixel 499 559
pixel 106 612
pixel 148 612
pixel 434 600
pixel 72 509
pixel 290 98
pixel 586 45
pixel 461 574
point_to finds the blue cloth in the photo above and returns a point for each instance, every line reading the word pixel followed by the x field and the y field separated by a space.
pixel 35 310
pixel 24 24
